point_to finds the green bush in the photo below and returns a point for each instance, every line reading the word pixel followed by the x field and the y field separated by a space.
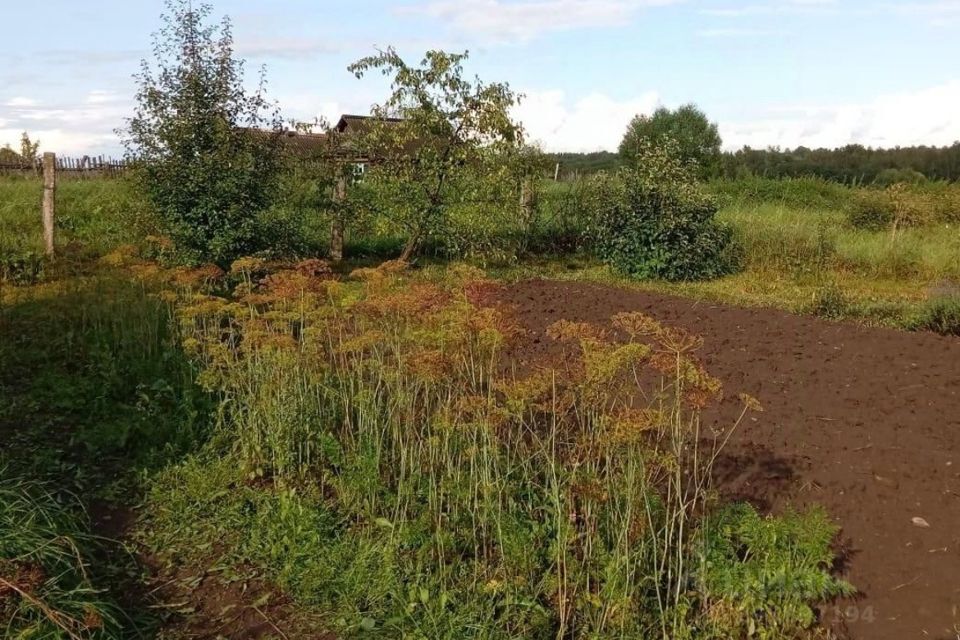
pixel 654 220
pixel 799 193
pixel 889 177
pixel 905 205
pixel 762 573
pixel 829 302
pixel 871 209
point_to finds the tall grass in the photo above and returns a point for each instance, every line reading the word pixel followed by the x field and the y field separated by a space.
pixel 45 588
pixel 798 241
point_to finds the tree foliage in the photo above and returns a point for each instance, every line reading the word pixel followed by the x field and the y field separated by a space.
pixel 654 220
pixel 435 130
pixel 696 138
pixel 199 139
pixel 28 154
pixel 28 149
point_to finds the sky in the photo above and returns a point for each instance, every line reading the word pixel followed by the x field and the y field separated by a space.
pixel 817 73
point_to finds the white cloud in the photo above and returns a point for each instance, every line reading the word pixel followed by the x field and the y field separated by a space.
pixel 85 126
pixel 20 101
pixel 503 21
pixel 597 121
pixel 774 8
pixel 593 123
pixel 928 116
pixel 939 13
pixel 739 33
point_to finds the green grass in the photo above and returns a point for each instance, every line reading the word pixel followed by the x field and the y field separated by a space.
pixel 94 395
pixel 92 218
pixel 398 488
pixel 46 590
pixel 794 256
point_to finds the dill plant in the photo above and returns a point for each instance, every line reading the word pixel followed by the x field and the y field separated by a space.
pixel 456 498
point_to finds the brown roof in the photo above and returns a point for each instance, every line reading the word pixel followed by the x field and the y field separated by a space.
pixel 358 123
pixel 304 144
pixel 332 145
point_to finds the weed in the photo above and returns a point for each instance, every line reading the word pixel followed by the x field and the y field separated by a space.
pixel 763 572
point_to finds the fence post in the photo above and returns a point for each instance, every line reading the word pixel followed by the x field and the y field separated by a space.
pixel 336 227
pixel 526 199
pixel 49 199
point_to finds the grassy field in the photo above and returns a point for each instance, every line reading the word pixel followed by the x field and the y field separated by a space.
pixel 93 217
pixel 800 253
pixel 354 447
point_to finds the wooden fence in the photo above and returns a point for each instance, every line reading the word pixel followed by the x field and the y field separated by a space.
pixel 67 167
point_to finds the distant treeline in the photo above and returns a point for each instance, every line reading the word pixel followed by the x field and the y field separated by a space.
pixel 849 164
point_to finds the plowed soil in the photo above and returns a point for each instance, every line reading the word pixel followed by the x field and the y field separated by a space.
pixel 863 421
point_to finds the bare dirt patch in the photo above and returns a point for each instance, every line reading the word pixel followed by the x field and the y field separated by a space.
pixel 863 421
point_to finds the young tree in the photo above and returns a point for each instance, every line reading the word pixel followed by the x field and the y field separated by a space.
pixel 697 138
pixel 28 150
pixel 434 129
pixel 206 149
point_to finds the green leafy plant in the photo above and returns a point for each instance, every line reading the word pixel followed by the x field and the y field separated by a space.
pixel 655 220
pixel 197 136
pixel 762 572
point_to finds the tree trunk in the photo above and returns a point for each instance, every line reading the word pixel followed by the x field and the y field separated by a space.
pixel 411 246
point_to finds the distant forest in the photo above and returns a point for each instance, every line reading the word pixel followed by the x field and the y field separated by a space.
pixel 852 164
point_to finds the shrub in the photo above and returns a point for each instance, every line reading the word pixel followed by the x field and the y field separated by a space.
pixel 203 166
pixel 904 205
pixel 871 209
pixel 889 177
pixel 799 193
pixel 654 220
pixel 829 302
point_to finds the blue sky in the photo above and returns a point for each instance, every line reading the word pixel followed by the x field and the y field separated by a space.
pixel 774 72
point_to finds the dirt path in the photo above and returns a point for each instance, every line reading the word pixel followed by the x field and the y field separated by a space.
pixel 864 421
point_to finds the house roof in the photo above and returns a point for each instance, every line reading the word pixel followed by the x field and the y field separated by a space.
pixel 358 123
pixel 304 144
pixel 338 143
